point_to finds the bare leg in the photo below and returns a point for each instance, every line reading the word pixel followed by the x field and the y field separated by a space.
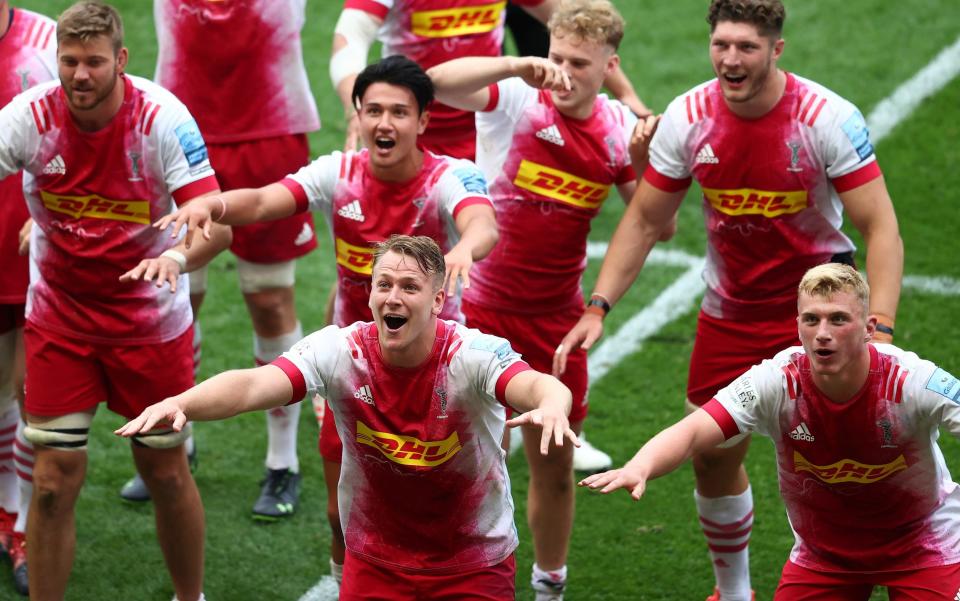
pixel 179 515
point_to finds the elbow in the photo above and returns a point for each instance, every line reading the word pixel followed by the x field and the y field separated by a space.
pixel 668 231
pixel 222 237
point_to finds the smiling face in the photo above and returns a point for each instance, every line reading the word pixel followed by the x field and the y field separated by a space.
pixel 89 72
pixel 745 62
pixel 390 121
pixel 587 63
pixel 405 302
pixel 834 330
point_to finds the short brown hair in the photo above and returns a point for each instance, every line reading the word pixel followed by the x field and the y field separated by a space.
pixel 831 278
pixel 86 20
pixel 422 249
pixel 594 20
pixel 766 15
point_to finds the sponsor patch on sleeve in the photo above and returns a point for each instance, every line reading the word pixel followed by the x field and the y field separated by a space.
pixel 192 143
pixel 472 180
pixel 856 130
pixel 944 384
pixel 493 344
pixel 743 392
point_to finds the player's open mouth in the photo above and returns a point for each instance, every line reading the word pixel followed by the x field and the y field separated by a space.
pixel 824 353
pixel 394 322
pixel 735 79
pixel 385 143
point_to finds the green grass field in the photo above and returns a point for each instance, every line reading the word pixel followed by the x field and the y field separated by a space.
pixel 620 550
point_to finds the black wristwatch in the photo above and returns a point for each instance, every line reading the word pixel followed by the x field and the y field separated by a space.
pixel 597 301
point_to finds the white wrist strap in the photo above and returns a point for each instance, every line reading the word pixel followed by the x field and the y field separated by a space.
pixel 177 256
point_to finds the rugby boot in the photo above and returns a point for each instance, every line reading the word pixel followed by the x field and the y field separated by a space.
pixel 590 459
pixel 279 495
pixel 17 550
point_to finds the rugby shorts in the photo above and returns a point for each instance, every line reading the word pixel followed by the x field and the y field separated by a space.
pixel 937 583
pixel 15 274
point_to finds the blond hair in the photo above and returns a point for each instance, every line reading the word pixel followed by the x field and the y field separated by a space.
pixel 832 278
pixel 594 20
pixel 85 21
pixel 422 249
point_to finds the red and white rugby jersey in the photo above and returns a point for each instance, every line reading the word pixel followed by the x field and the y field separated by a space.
pixel 864 483
pixel 94 197
pixel 237 65
pixel 769 188
pixel 431 32
pixel 424 484
pixel 549 175
pixel 28 56
pixel 362 210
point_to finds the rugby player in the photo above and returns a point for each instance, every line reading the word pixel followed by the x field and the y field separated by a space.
pixel 779 158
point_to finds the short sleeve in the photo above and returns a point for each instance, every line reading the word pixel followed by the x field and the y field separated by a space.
pixel 315 183
pixel 514 96
pixel 667 155
pixel 186 164
pixel 311 362
pixel 461 186
pixel 753 398
pixel 846 146
pixel 490 363
pixel 938 394
pixel 14 124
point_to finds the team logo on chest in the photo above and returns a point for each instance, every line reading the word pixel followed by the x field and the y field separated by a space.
pixel 364 394
pixel 551 133
pixel 134 167
pixel 886 429
pixel 560 185
pixel 409 450
pixel 794 147
pixel 706 155
pixel 24 79
pixel 442 398
pixel 848 470
pixel 352 211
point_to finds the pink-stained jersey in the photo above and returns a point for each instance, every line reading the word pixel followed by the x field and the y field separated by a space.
pixel 93 198
pixel 770 188
pixel 424 485
pixel 431 32
pixel 28 56
pixel 208 46
pixel 362 211
pixel 549 175
pixel 865 485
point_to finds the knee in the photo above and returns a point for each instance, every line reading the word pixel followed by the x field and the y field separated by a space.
pixel 167 480
pixel 55 493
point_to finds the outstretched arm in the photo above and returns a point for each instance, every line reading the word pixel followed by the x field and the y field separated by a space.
pixel 224 395
pixel 353 35
pixel 647 217
pixel 462 83
pixel 664 453
pixel 871 212
pixel 236 207
pixel 545 402
pixel 477 225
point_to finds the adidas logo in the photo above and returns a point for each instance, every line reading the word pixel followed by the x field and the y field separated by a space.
pixel 801 432
pixel 352 211
pixel 56 166
pixel 363 393
pixel 706 155
pixel 305 235
pixel 551 133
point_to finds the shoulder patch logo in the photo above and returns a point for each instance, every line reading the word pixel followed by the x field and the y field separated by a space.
pixel 706 155
pixel 305 235
pixel 551 133
pixel 944 384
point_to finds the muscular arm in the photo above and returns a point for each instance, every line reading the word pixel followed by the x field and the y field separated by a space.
pixel 462 83
pixel 200 254
pixel 477 226
pixel 871 212
pixel 224 395
pixel 664 453
pixel 545 402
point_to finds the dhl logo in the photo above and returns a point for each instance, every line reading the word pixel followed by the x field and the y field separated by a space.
pixel 560 185
pixel 450 22
pixel 97 207
pixel 407 450
pixel 746 201
pixel 847 470
pixel 358 259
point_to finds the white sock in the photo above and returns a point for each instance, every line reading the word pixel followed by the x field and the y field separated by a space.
pixel 336 570
pixel 282 421
pixel 9 491
pixel 23 459
pixel 727 523
pixel 552 581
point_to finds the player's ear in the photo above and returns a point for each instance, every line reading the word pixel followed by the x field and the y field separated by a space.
pixel 871 328
pixel 778 48
pixel 422 125
pixel 122 57
pixel 438 299
pixel 612 63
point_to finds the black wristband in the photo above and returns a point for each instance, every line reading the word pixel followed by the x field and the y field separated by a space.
pixel 596 301
pixel 884 329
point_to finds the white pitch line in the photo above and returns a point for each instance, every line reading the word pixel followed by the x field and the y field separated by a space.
pixel 935 285
pixel 324 590
pixel 905 99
